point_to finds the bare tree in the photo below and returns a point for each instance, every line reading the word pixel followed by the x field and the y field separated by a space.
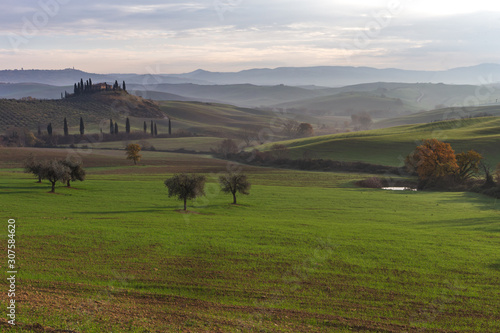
pixel 234 183
pixel 227 147
pixel 248 136
pixel 290 127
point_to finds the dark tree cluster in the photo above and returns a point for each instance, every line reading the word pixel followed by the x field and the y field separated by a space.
pixel 64 171
pixel 277 157
pixel 88 87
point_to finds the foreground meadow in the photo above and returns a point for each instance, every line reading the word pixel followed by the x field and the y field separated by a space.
pixel 304 252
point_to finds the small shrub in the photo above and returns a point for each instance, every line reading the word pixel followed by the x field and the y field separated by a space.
pixel 372 182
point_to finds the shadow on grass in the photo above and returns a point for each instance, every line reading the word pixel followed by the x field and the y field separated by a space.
pixel 23 189
pixel 110 212
pixel 495 267
pixel 486 224
pixel 485 202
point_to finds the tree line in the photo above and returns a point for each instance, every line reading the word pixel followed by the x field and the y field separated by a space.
pixel 183 186
pixel 88 87
pixel 113 128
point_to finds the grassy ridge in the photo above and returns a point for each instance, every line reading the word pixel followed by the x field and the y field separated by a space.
pixel 216 119
pixel 304 252
pixel 391 145
pixel 440 115
pixel 348 103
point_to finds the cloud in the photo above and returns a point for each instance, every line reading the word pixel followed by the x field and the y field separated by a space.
pixel 234 34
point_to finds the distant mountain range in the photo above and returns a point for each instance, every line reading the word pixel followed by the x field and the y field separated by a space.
pixel 327 76
pixel 305 91
pixel 337 76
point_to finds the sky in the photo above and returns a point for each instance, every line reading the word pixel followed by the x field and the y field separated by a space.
pixel 230 35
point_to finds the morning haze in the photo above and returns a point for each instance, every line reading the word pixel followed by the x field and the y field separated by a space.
pixel 250 166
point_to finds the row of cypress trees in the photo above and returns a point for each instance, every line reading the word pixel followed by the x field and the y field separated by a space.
pixel 113 127
pixel 87 87
pixel 154 128
pixel 65 128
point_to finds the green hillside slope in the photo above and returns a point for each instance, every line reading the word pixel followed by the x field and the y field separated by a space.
pixel 221 120
pixel 390 146
pixel 440 115
pixel 429 96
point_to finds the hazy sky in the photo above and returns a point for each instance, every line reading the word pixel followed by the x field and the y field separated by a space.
pixel 228 35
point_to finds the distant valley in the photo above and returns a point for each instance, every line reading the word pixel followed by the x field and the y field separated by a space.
pixel 388 96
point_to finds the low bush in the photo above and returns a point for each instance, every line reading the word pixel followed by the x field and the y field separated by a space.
pixel 372 182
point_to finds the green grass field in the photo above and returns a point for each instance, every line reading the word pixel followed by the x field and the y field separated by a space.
pixel 304 252
pixel 390 146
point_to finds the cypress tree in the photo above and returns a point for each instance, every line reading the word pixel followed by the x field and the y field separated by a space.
pixel 124 86
pixel 169 127
pixel 156 130
pixel 82 126
pixel 116 128
pixel 127 126
pixel 75 89
pixel 81 85
pixel 90 84
pixel 111 127
pixel 66 131
pixel 145 127
pixel 49 128
pixel 152 129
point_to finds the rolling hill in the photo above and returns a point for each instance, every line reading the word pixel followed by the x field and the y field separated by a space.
pixel 441 115
pixel 93 109
pixel 389 146
pixel 213 119
pixel 68 76
pixel 338 76
pixel 34 90
pixel 229 121
pixel 244 95
pixel 348 103
pixel 328 76
pixel 429 96
pixel 207 119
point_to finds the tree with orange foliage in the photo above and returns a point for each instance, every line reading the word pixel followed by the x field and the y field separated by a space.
pixel 433 160
pixel 133 152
